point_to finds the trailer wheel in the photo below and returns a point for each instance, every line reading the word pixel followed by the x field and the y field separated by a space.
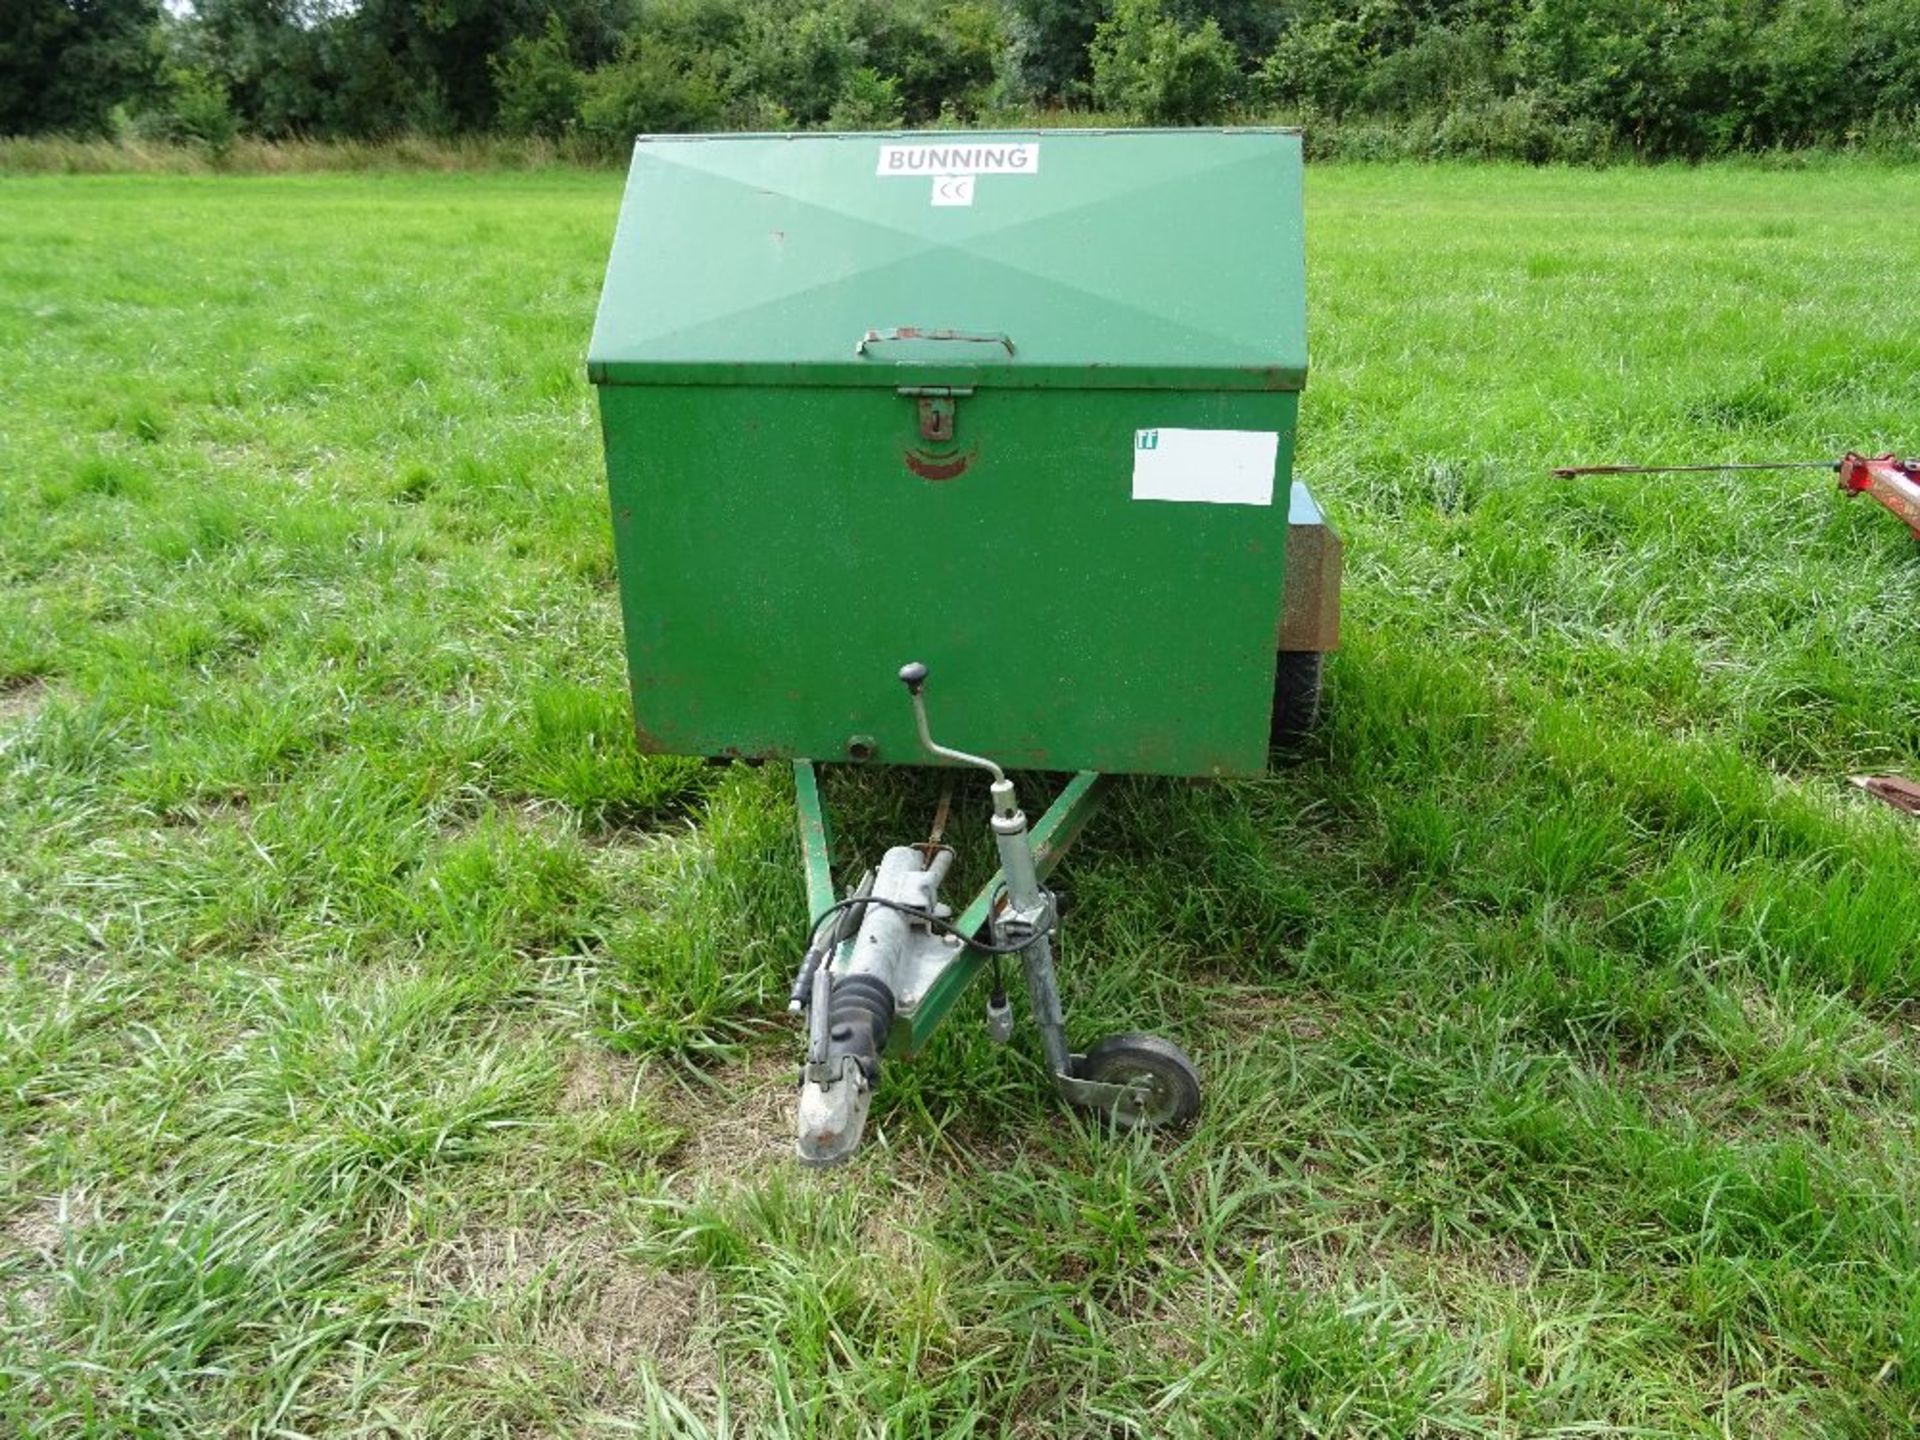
pixel 1296 695
pixel 1166 1083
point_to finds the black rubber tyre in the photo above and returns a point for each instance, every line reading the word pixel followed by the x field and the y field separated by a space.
pixel 1160 1067
pixel 1296 695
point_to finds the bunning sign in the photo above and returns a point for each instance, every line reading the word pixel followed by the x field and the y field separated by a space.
pixel 952 166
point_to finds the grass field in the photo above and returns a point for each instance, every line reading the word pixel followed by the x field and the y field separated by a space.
pixel 390 1050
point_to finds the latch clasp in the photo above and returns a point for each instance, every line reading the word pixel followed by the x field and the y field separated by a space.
pixel 938 408
pixel 936 417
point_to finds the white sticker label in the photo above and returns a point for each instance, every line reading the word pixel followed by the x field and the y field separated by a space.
pixel 1205 467
pixel 953 189
pixel 974 157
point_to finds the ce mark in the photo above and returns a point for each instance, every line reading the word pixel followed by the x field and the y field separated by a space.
pixel 953 189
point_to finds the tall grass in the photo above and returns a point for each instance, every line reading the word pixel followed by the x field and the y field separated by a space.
pixel 59 155
pixel 1492 135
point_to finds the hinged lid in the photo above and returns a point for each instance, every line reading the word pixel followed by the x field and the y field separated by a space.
pixel 1136 258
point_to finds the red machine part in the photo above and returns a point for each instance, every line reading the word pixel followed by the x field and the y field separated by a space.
pixel 1894 482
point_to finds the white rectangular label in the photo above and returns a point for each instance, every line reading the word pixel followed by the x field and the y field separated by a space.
pixel 1205 467
pixel 968 157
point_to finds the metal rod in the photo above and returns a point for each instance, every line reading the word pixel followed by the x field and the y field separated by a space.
pixel 941 812
pixel 947 752
pixel 1567 472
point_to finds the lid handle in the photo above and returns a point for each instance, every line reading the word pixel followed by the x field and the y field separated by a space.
pixel 914 332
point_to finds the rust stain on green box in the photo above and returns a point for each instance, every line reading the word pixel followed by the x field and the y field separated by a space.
pixel 798 510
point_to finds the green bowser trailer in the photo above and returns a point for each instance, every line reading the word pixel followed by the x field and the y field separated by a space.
pixel 1007 418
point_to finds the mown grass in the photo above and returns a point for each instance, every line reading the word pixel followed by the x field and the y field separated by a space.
pixel 391 1050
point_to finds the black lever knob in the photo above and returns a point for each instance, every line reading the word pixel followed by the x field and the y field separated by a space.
pixel 913 675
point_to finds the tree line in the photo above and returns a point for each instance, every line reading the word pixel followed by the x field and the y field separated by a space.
pixel 1539 80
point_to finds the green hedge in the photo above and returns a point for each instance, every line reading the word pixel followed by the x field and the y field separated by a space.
pixel 1581 81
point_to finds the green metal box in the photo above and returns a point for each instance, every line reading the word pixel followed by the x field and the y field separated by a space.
pixel 1017 405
